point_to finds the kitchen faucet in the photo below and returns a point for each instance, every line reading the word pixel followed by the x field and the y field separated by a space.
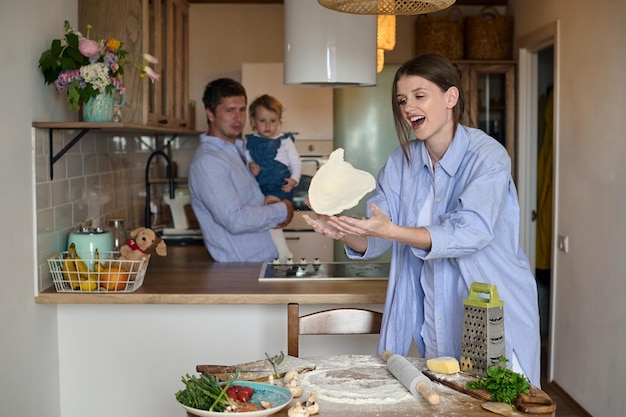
pixel 170 177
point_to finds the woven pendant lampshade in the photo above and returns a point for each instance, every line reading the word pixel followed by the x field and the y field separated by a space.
pixel 394 7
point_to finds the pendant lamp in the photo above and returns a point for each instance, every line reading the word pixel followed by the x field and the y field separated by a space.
pixel 394 7
pixel 386 38
pixel 326 48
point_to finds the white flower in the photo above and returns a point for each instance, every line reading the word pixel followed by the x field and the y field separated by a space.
pixel 96 74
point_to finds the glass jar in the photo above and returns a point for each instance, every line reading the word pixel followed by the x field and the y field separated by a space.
pixel 117 228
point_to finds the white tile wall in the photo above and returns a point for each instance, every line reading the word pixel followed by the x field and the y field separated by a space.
pixel 101 176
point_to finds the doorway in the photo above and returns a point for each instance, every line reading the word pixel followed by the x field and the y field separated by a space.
pixel 537 168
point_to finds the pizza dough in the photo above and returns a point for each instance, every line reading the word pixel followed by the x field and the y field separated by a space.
pixel 338 186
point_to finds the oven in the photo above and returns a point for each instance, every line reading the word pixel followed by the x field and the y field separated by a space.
pixel 302 241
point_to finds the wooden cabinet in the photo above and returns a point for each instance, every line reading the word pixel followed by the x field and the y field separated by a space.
pixel 489 88
pixel 160 28
pixel 307 111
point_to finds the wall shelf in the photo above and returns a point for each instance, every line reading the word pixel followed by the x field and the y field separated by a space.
pixel 111 127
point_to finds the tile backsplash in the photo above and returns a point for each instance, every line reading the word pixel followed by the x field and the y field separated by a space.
pixel 99 177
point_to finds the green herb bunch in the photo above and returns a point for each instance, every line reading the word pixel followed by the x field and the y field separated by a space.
pixel 503 384
pixel 205 392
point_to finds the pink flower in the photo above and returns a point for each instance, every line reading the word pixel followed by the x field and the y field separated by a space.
pixel 149 58
pixel 88 48
pixel 151 74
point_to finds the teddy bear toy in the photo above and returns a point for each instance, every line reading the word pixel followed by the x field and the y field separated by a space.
pixel 142 243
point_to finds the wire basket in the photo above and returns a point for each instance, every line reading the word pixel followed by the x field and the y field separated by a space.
pixel 109 274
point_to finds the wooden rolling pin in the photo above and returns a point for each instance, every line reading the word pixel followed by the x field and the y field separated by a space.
pixel 411 377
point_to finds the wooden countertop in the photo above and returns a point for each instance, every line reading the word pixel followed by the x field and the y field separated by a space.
pixel 187 275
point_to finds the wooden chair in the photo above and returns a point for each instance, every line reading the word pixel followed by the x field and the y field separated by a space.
pixel 327 322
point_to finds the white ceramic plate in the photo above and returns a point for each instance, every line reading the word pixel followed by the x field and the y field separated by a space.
pixel 278 396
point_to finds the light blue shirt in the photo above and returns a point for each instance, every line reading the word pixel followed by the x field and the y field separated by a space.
pixel 229 205
pixel 475 237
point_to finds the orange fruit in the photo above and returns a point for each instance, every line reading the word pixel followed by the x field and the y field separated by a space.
pixel 114 278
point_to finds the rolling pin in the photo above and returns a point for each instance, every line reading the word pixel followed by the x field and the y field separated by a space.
pixel 411 377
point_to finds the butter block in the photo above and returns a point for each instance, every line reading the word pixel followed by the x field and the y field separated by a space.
pixel 443 365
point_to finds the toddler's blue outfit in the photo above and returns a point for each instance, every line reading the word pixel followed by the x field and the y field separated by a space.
pixel 273 172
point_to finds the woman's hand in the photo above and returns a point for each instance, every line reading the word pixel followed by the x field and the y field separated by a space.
pixel 330 226
pixel 321 225
pixel 378 225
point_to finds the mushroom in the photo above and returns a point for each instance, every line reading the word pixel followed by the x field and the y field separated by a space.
pixel 296 390
pixel 311 405
pixel 298 411
pixel 291 378
pixel 290 381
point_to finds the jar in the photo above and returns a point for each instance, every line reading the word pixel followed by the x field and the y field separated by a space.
pixel 87 239
pixel 118 230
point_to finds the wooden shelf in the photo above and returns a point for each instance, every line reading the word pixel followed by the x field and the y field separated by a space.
pixel 113 127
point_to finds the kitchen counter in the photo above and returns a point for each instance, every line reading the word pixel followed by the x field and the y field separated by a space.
pixel 187 275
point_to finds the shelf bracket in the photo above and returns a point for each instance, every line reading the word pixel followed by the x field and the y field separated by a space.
pixel 54 158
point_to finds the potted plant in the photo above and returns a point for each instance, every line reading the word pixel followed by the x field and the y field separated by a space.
pixel 90 71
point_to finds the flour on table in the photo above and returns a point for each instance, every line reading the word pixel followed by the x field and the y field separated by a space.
pixel 355 380
pixel 349 384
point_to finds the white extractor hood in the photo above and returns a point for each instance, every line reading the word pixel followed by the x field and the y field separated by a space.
pixel 328 48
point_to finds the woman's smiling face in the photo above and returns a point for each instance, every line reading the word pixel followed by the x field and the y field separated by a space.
pixel 425 108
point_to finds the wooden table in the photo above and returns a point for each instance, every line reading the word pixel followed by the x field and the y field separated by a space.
pixel 360 385
pixel 187 275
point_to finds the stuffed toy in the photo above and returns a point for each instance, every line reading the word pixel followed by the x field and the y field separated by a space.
pixel 142 243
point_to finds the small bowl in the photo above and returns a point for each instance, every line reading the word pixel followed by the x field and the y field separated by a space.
pixel 279 396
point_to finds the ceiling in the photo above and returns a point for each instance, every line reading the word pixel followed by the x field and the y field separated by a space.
pixel 458 2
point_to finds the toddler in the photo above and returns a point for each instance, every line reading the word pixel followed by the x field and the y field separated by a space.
pixel 272 156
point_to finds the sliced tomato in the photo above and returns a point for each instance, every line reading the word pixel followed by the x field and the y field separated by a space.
pixel 243 396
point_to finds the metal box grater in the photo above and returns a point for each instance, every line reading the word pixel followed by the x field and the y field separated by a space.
pixel 483 329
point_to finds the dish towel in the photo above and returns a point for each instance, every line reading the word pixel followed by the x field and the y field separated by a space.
pixel 281 244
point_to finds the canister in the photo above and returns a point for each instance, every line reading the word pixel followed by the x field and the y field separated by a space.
pixel 88 239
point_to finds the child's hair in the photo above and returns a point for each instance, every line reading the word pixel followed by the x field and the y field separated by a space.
pixel 267 101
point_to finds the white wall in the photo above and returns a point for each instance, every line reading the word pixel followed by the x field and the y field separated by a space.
pixel 589 310
pixel 224 36
pixel 29 384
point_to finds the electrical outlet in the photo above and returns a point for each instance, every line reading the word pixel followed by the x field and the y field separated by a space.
pixel 564 243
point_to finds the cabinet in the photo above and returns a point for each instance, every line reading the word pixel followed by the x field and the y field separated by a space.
pixel 160 28
pixel 307 111
pixel 309 245
pixel 489 89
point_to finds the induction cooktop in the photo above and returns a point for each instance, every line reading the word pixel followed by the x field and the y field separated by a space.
pixel 324 271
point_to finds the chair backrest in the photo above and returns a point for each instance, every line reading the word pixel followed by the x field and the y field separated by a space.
pixel 333 321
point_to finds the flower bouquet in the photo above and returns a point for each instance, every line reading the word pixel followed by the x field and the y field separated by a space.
pixel 86 68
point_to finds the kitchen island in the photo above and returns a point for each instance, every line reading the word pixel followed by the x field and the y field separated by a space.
pixel 123 354
pixel 187 275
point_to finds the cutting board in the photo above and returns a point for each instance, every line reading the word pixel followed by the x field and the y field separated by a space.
pixel 538 402
pixel 261 369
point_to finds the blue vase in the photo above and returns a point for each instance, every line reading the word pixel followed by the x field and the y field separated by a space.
pixel 100 107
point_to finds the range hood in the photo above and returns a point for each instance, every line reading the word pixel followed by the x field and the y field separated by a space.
pixel 326 48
